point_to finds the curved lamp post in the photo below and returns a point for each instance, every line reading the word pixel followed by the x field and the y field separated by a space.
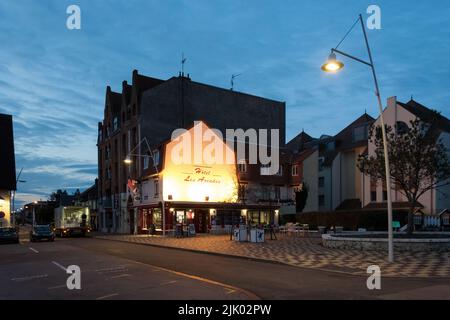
pixel 333 65
pixel 128 161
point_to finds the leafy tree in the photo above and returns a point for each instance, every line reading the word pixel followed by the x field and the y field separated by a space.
pixel 418 160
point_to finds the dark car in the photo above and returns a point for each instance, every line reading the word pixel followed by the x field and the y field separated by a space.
pixel 9 235
pixel 42 232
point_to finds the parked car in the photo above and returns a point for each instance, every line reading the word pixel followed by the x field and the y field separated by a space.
pixel 9 235
pixel 42 232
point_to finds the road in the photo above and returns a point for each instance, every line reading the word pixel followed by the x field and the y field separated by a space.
pixel 119 270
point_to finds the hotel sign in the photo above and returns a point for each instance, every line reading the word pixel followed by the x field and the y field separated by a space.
pixel 198 182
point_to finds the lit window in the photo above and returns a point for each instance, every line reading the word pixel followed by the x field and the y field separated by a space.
pixel 295 170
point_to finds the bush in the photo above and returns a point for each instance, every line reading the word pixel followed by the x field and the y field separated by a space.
pixel 352 219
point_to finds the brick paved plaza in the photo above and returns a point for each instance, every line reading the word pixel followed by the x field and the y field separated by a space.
pixel 306 252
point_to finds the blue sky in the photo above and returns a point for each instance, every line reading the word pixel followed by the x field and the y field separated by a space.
pixel 53 79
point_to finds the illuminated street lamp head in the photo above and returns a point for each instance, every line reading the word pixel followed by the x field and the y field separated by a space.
pixel 127 160
pixel 332 65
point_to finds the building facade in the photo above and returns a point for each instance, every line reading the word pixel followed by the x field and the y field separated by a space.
pixel 7 170
pixel 398 115
pixel 152 109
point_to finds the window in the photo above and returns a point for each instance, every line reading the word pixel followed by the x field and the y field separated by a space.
pixel 401 127
pixel 280 170
pixel 321 200
pixel 360 133
pixel 331 145
pixel 155 157
pixel 321 163
pixel 241 191
pixel 264 170
pixel 156 185
pixel 115 124
pixel 146 158
pixel 294 170
pixel 277 193
pixel 100 135
pixel 321 182
pixel 384 195
pixel 373 196
pixel 242 166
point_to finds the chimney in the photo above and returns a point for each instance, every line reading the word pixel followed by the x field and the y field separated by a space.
pixel 392 102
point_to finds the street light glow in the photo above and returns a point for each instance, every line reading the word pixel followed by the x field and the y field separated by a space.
pixel 127 160
pixel 332 65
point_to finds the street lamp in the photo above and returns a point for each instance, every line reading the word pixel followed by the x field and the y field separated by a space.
pixel 333 65
pixel 128 161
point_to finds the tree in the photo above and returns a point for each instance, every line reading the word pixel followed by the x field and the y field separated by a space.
pixel 418 160
pixel 300 198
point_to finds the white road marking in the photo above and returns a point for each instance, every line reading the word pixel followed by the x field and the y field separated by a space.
pixel 57 287
pixel 169 282
pixel 112 269
pixel 229 291
pixel 107 296
pixel 39 276
pixel 58 265
pixel 33 249
pixel 121 276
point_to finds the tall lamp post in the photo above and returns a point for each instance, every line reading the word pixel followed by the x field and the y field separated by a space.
pixel 14 196
pixel 333 65
pixel 128 161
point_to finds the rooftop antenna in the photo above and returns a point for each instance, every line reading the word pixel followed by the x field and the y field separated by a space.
pixel 183 61
pixel 234 76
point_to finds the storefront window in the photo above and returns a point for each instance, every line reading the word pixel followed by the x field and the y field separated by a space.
pixel 180 216
pixel 157 218
pixel 265 217
pixel 253 217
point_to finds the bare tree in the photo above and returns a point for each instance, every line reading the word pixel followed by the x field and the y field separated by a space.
pixel 418 160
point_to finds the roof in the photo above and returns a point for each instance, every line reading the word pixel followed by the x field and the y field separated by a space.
pixel 395 205
pixel 7 158
pixel 344 139
pixel 298 142
pixel 142 83
pixel 426 114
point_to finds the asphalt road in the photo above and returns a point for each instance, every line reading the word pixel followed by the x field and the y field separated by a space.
pixel 118 270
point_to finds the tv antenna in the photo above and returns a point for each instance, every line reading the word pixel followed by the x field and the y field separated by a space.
pixel 183 61
pixel 234 76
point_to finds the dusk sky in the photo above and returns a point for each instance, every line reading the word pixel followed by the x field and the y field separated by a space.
pixel 53 80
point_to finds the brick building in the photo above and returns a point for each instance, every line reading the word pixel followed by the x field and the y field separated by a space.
pixel 152 109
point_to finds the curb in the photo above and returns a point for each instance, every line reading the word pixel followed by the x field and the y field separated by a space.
pixel 362 275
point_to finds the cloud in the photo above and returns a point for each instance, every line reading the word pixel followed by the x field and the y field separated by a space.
pixel 53 80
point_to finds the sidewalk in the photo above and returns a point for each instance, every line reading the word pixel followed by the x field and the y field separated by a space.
pixel 304 252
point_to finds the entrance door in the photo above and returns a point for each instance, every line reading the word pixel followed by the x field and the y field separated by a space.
pixel 201 220
pixel 131 213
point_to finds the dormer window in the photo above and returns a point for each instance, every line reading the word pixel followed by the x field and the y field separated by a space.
pixel 360 133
